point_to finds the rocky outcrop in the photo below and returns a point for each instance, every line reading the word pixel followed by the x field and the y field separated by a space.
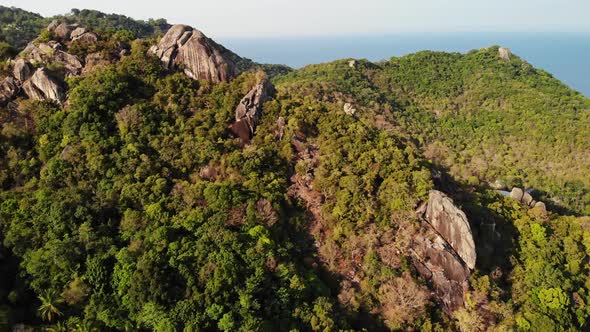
pixel 444 250
pixel 504 53
pixel 452 224
pixel 42 86
pixel 8 89
pixel 199 56
pixel 249 110
pixel 51 52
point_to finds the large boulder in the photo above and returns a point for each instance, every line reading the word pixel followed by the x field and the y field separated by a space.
pixel 89 38
pixel 21 70
pixel 504 53
pixel 42 86
pixel 249 109
pixel 527 198
pixel 8 89
pixel 72 64
pixel 199 56
pixel 63 31
pixel 79 31
pixel 452 225
pixel 517 194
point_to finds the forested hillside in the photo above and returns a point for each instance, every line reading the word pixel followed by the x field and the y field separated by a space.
pixel 168 184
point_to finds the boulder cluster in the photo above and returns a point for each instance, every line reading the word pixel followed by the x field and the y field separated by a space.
pixel 444 251
pixel 526 198
pixel 30 73
pixel 199 56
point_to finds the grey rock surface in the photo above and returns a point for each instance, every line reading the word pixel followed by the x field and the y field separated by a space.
pixel 42 86
pixel 452 225
pixel 199 56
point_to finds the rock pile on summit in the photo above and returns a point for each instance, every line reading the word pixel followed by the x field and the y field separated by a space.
pixel 199 57
pixel 42 83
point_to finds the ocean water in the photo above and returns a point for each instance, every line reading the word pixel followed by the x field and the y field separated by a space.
pixel 565 55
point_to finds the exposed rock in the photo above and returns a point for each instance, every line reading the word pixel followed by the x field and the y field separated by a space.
pixel 452 225
pixel 51 52
pixel 71 63
pixel 517 194
pixel 37 53
pixel 64 30
pixel 41 86
pixel 352 63
pixel 249 109
pixel 86 38
pixel 280 127
pixel 199 56
pixel 541 206
pixel 21 70
pixel 8 90
pixel 527 198
pixel 498 185
pixel 440 265
pixel 349 109
pixel 52 25
pixel 444 251
pixel 79 31
pixel 504 53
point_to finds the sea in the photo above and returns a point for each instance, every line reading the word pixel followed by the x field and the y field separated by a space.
pixel 565 55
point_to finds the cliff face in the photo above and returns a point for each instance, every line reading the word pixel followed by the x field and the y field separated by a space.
pixel 199 56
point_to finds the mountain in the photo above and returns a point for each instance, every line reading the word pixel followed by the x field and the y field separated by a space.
pixel 169 184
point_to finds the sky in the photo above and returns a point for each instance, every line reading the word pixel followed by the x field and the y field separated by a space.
pixel 284 18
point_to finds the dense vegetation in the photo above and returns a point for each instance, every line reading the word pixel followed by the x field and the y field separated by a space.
pixel 133 207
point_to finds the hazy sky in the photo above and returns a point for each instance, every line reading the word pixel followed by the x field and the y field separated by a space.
pixel 258 18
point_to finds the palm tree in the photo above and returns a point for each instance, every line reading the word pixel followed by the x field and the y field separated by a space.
pixel 48 309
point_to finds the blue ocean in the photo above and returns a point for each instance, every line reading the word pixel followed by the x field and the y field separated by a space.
pixel 565 55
